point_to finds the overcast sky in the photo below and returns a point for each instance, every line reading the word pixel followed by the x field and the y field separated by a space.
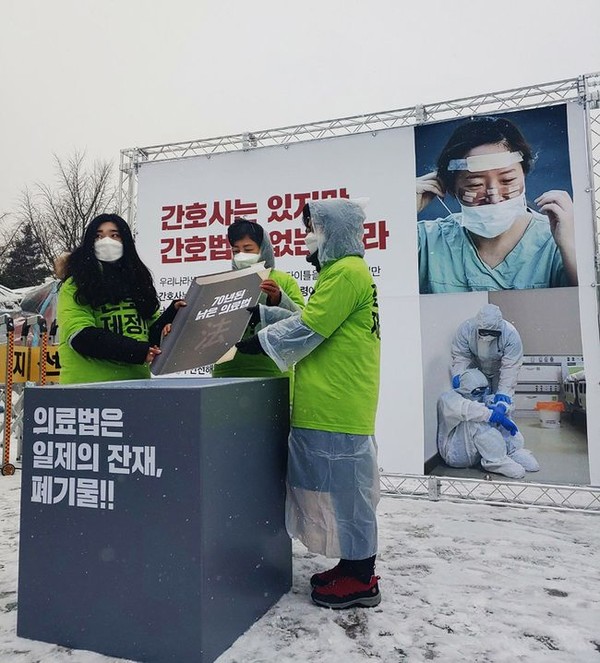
pixel 103 75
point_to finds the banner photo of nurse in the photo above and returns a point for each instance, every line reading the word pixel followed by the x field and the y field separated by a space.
pixel 504 384
pixel 495 203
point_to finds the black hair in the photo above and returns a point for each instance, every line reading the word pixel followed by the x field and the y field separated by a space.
pixel 99 283
pixel 306 215
pixel 241 228
pixel 481 131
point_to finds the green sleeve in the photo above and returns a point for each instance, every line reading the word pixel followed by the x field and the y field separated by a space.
pixel 72 316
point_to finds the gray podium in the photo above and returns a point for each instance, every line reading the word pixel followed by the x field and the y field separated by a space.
pixel 152 515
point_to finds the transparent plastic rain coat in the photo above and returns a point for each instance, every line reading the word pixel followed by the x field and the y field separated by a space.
pixel 332 480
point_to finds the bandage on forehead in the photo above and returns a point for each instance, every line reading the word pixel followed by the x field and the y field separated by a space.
pixel 476 164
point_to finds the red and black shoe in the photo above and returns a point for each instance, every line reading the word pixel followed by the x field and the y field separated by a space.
pixel 325 577
pixel 347 592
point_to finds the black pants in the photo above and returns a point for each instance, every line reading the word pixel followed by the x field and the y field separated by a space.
pixel 361 569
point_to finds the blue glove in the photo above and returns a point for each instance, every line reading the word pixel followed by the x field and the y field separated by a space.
pixel 498 417
pixel 498 411
pixel 455 381
pixel 501 406
pixel 510 426
pixel 502 398
pixel 250 346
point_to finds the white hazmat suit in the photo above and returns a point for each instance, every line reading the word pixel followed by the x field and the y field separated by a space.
pixel 466 437
pixel 493 345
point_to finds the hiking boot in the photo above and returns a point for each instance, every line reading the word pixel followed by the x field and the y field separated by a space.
pixel 325 577
pixel 347 592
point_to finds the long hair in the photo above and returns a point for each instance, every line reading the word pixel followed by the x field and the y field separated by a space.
pixel 100 283
pixel 481 131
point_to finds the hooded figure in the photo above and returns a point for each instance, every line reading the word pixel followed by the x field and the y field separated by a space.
pixel 470 432
pixel 251 244
pixel 244 254
pixel 493 345
pixel 332 480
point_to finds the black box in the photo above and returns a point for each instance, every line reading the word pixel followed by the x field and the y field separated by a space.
pixel 152 524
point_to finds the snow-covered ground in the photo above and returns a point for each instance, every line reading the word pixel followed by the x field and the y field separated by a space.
pixel 460 582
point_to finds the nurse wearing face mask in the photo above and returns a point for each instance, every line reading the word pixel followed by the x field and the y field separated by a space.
pixel 108 310
pixel 251 244
pixel 496 242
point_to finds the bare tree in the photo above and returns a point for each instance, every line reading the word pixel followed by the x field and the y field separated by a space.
pixel 59 214
pixel 8 233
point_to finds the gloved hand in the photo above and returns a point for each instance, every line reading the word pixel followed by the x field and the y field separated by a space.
pixel 502 398
pixel 498 417
pixel 250 346
pixel 501 406
pixel 498 410
pixel 455 381
pixel 255 317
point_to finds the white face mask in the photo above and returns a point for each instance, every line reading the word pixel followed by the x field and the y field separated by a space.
pixel 492 220
pixel 108 249
pixel 242 260
pixel 312 243
pixel 487 350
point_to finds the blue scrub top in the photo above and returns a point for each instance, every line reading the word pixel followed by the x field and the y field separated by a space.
pixel 449 262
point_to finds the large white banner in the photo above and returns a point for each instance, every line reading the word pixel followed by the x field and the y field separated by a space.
pixel 185 206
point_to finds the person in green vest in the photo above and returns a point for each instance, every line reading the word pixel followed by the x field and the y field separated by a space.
pixel 251 244
pixel 108 311
pixel 332 475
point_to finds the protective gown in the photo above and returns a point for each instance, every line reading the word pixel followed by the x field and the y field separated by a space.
pixel 498 358
pixel 332 480
pixel 465 437
pixel 449 261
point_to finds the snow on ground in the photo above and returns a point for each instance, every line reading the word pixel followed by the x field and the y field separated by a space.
pixel 460 582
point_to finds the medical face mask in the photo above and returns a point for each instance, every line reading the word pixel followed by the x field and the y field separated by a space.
pixel 242 260
pixel 492 220
pixel 312 243
pixel 487 348
pixel 108 249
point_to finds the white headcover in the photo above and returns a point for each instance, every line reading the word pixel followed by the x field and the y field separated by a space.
pixel 480 162
pixel 471 379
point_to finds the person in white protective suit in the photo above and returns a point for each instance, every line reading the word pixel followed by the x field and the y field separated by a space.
pixel 332 479
pixel 493 345
pixel 470 432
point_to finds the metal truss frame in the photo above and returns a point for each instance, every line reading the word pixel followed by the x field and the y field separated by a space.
pixel 509 493
pixel 584 89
